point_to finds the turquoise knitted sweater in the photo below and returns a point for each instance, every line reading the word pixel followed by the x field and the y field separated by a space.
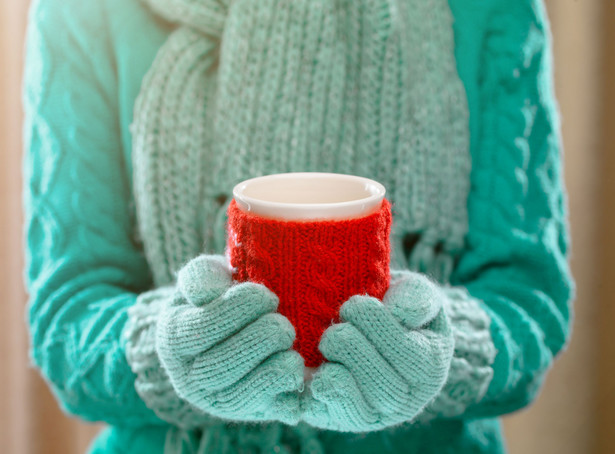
pixel 86 266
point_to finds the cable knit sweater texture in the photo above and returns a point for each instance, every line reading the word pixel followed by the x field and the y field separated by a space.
pixel 335 254
pixel 495 235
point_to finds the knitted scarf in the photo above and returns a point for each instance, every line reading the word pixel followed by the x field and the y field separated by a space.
pixel 244 88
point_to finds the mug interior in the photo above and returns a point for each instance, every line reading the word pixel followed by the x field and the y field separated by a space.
pixel 309 195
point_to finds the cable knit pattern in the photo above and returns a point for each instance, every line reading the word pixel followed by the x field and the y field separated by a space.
pixel 470 370
pixel 266 438
pixel 152 382
pixel 534 283
pixel 313 267
pixel 85 267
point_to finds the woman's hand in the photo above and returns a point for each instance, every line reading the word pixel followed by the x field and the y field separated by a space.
pixel 225 349
pixel 387 360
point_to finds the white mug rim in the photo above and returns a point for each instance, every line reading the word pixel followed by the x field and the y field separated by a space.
pixel 247 203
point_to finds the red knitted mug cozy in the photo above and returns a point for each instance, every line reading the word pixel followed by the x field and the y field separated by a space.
pixel 312 266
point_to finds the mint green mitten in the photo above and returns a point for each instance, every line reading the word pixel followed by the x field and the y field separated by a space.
pixel 388 362
pixel 224 350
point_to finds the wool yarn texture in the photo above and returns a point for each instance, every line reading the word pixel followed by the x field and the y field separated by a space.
pixel 221 91
pixel 386 361
pixel 312 266
pixel 226 353
pixel 248 88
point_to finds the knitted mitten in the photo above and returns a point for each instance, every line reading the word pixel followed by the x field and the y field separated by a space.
pixel 470 369
pixel 152 382
pixel 390 360
pixel 223 350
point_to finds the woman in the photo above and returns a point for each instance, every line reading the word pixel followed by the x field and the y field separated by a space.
pixel 141 116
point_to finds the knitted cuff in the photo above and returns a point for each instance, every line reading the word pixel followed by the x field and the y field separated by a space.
pixel 470 372
pixel 152 382
pixel 312 266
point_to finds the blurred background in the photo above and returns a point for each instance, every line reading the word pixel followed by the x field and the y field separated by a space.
pixel 574 413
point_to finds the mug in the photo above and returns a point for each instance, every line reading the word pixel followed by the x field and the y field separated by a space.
pixel 315 240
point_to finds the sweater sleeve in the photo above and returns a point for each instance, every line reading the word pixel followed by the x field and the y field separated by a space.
pixel 515 265
pixel 83 269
